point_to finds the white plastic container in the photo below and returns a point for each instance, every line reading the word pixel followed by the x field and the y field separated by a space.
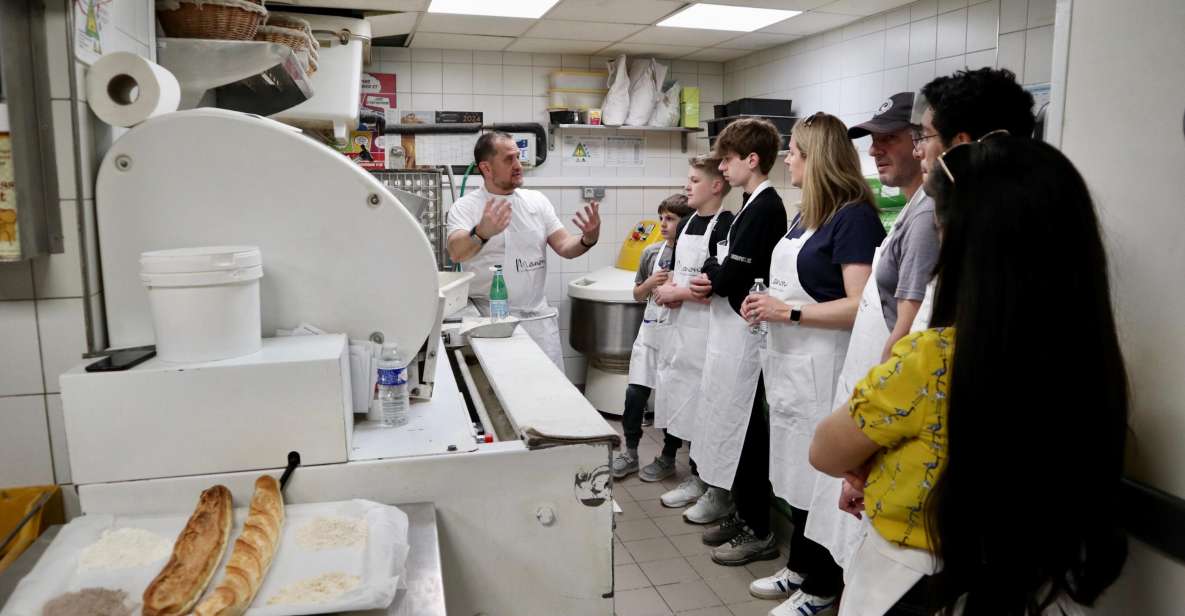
pixel 204 301
pixel 576 99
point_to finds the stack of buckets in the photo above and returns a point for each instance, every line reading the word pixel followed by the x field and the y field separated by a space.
pixel 204 301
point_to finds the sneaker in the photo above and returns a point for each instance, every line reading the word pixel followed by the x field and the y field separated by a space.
pixel 688 492
pixel 802 604
pixel 729 528
pixel 714 505
pixel 777 586
pixel 745 548
pixel 624 464
pixel 659 469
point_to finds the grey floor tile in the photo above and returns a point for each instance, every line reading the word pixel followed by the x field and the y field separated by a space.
pixel 639 602
pixel 637 529
pixel 621 556
pixel 669 571
pixel 690 545
pixel 630 510
pixel 646 491
pixel 673 525
pixel 731 588
pixel 629 577
pixel 707 611
pixel 756 607
pixel 647 550
pixel 706 568
pixel 689 595
pixel 765 568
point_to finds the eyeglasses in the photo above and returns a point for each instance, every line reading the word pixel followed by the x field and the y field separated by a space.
pixel 919 138
pixel 942 157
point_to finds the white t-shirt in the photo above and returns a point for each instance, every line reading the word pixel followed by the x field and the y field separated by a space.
pixel 529 209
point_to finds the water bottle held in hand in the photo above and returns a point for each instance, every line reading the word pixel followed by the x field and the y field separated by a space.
pixel 664 312
pixel 760 328
pixel 499 298
pixel 393 394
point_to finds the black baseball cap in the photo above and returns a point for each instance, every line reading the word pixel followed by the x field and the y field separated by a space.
pixel 892 116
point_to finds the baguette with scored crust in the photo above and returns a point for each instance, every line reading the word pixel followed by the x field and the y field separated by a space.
pixel 196 555
pixel 252 554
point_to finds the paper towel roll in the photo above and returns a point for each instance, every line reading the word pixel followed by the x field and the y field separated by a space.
pixel 125 89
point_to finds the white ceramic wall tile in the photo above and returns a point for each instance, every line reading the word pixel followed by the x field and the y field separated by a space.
pixel 920 74
pixel 540 80
pixel 945 6
pixel 426 55
pixel 829 98
pixel 711 88
pixel 550 60
pixel 516 59
pixel 897 17
pixel 427 102
pixel 457 78
pixel 923 9
pixel 393 54
pixel 1041 13
pixel 402 72
pixel 685 79
pixel 60 275
pixel 462 56
pixel 896 52
pixel 457 102
pixel 63 137
pixel 487 79
pixel 24 442
pixel 981 59
pixel 20 363
pixel 487 57
pixel 57 438
pixel 711 68
pixel 491 106
pixel 923 37
pixel 1011 53
pixel 63 337
pixel 427 77
pixel 516 80
pixel 947 66
pixel 981 25
pixel 1014 15
pixel 1038 55
pixel 952 34
pixel 896 80
pixel 16 281
pixel 581 62
pixel 517 108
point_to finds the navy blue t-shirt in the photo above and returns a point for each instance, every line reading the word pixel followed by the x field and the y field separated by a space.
pixel 851 236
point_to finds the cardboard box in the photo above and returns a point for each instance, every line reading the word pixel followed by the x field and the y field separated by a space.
pixel 167 420
pixel 689 107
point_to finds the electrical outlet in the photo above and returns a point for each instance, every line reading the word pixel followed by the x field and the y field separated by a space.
pixel 589 193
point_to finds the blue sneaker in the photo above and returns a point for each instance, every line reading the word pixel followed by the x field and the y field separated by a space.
pixel 777 586
pixel 802 604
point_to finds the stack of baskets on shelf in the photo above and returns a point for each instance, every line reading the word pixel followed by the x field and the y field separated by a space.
pixel 228 20
pixel 295 33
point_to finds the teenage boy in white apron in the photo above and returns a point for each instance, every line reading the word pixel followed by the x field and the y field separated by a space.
pixel 731 446
pixel 902 267
pixel 504 224
pixel 653 270
pixel 681 357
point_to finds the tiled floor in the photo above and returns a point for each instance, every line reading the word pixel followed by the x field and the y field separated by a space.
pixel 660 564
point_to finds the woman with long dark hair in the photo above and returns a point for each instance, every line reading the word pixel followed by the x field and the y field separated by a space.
pixel 993 440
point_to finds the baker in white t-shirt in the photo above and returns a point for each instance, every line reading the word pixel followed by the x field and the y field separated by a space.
pixel 504 224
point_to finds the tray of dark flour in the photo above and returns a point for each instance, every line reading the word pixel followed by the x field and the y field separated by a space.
pixel 346 555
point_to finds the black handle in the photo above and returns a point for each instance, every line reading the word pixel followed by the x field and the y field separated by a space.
pixel 293 462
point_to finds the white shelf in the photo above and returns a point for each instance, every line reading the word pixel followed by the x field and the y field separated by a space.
pixel 683 132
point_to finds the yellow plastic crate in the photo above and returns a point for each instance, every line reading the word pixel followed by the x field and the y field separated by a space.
pixel 15 504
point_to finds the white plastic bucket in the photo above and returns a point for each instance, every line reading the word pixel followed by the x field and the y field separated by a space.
pixel 204 301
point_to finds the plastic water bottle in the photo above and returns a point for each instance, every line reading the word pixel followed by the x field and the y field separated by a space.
pixel 393 395
pixel 760 328
pixel 499 298
pixel 664 312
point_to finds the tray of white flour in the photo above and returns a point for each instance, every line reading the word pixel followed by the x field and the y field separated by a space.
pixel 346 555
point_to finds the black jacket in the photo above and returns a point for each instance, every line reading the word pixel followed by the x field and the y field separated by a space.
pixel 754 233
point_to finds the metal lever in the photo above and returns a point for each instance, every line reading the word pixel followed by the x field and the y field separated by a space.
pixel 293 462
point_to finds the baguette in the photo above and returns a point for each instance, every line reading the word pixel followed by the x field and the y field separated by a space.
pixel 196 555
pixel 252 554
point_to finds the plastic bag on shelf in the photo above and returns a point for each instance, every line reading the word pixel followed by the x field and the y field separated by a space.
pixel 617 101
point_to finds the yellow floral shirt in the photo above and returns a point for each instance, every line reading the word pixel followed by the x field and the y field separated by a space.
pixel 902 406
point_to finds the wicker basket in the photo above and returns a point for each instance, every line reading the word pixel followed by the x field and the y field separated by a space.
pixel 294 33
pixel 232 20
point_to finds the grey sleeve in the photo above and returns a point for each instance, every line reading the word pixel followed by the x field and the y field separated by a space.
pixel 644 265
pixel 919 254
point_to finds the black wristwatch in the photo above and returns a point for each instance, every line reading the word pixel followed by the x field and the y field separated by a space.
pixel 473 234
pixel 796 315
pixel 586 245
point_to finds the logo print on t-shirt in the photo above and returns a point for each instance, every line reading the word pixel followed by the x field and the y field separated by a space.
pixel 523 265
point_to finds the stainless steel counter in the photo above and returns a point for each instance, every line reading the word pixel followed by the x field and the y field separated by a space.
pixel 424 595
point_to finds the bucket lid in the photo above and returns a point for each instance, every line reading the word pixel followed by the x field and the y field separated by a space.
pixel 199 259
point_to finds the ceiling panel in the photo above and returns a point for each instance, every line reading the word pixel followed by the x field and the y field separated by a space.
pixel 619 11
pixel 862 7
pixel 656 35
pixel 649 49
pixel 436 40
pixel 582 30
pixel 757 40
pixel 716 54
pixel 359 5
pixel 786 5
pixel 474 24
pixel 809 23
pixel 540 45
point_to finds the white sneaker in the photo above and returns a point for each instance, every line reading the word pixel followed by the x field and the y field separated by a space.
pixel 688 492
pixel 802 604
pixel 714 505
pixel 777 586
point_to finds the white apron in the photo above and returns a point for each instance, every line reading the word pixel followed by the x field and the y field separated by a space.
pixel 829 526
pixel 800 364
pixel 732 366
pixel 644 354
pixel 524 267
pixel 682 354
pixel 881 573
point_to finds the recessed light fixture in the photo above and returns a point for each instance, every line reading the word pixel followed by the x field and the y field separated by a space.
pixel 720 17
pixel 530 9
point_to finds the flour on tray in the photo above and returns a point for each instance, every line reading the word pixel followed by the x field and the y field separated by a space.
pixel 125 547
pixel 327 533
pixel 319 589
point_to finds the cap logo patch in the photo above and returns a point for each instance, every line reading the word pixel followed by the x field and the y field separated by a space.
pixel 885 106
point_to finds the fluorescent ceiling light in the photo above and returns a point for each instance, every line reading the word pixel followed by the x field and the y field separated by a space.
pixel 530 9
pixel 720 17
